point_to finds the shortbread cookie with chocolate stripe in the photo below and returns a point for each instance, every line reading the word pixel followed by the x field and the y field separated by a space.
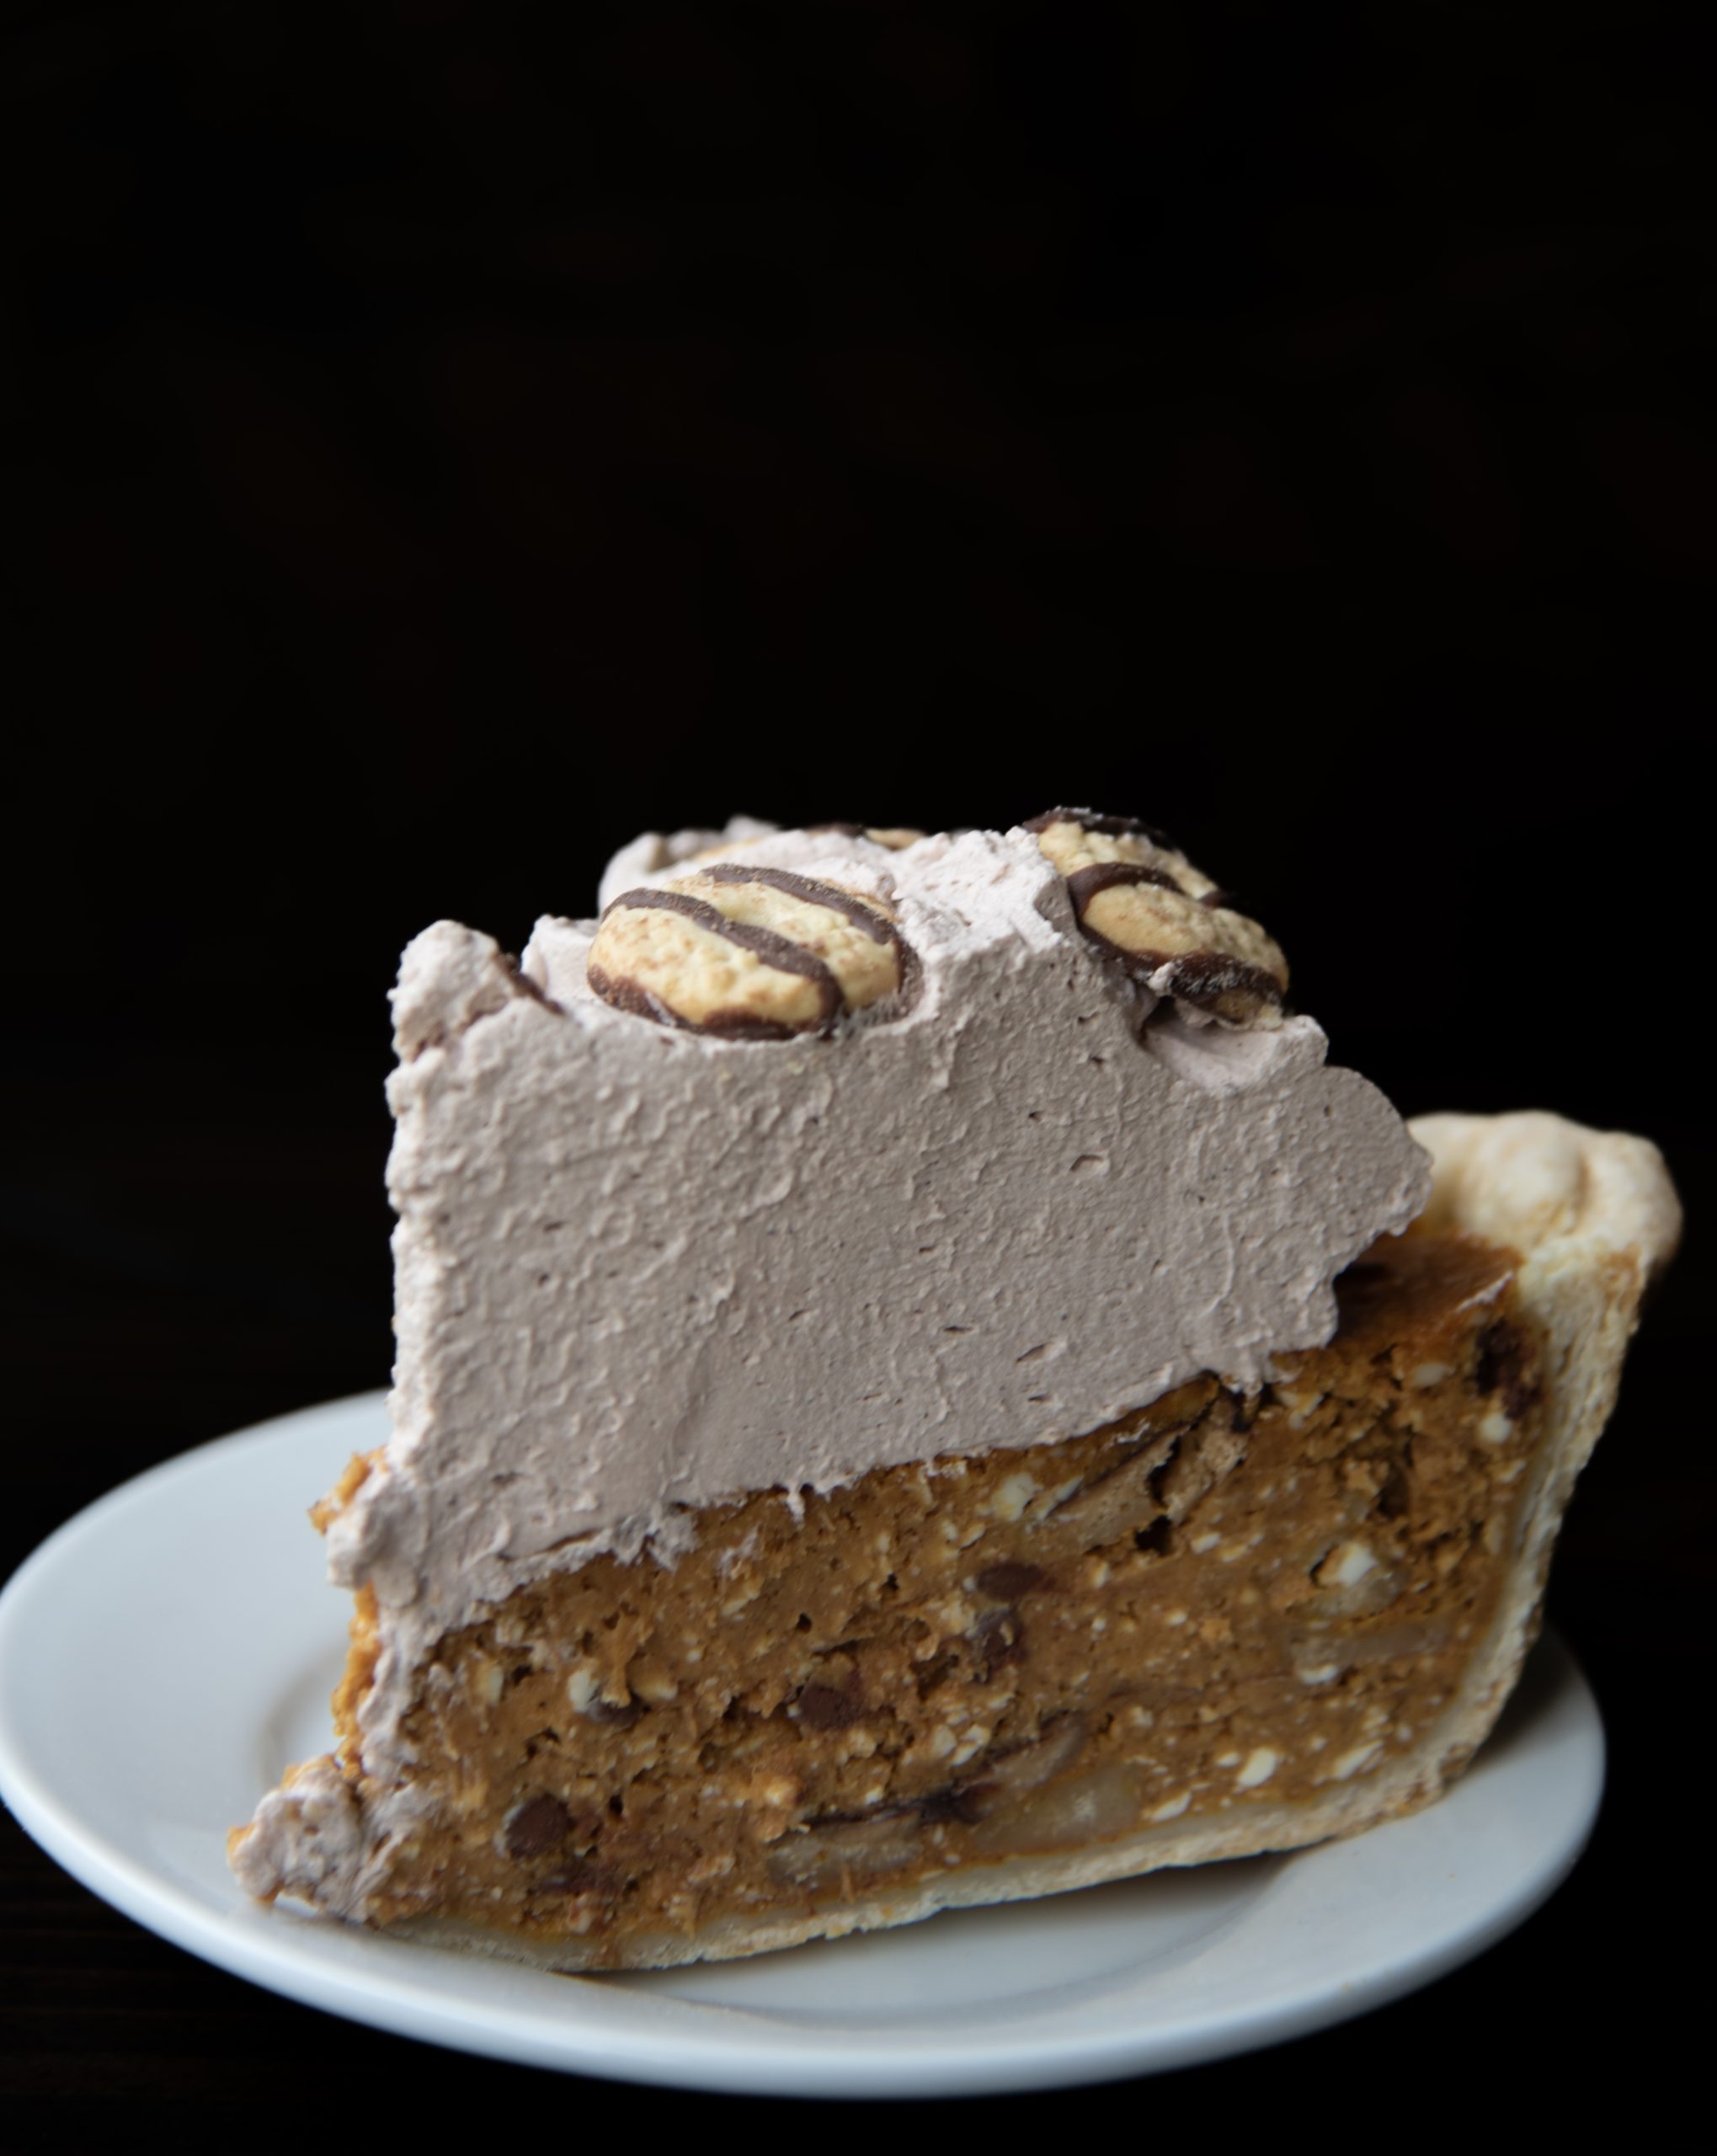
pixel 1141 901
pixel 747 952
pixel 919 1385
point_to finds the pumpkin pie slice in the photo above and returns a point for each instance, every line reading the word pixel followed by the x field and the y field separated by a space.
pixel 919 1385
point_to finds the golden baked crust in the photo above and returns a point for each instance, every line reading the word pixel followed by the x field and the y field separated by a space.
pixel 1218 1627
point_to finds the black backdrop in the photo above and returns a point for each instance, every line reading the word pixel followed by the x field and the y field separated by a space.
pixel 443 441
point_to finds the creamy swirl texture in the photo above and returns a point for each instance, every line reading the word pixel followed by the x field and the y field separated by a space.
pixel 640 1268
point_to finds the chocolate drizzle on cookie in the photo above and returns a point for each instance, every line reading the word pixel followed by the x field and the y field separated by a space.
pixel 892 837
pixel 1085 883
pixel 777 953
pixel 1140 902
pixel 877 926
pixel 813 952
pixel 1227 988
pixel 1113 827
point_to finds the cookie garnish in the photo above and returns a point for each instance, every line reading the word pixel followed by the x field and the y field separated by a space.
pixel 1140 901
pixel 746 953
pixel 894 836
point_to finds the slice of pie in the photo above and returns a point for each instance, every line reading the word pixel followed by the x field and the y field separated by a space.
pixel 918 1385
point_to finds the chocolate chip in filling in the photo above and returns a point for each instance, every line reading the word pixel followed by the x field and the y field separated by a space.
pixel 1140 899
pixel 747 953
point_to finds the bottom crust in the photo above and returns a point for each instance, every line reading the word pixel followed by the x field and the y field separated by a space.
pixel 1235 1626
pixel 1266 1828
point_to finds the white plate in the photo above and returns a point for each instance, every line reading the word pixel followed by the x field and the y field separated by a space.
pixel 169 1651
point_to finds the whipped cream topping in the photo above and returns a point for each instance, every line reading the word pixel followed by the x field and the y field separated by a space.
pixel 641 1269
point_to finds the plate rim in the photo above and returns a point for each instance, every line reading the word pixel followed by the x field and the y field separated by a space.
pixel 790 2061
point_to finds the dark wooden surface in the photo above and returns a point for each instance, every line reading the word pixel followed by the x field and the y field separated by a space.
pixel 441 441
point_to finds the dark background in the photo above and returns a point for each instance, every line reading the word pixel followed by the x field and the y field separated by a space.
pixel 441 442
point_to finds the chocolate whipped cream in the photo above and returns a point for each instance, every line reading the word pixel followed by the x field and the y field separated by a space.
pixel 641 1268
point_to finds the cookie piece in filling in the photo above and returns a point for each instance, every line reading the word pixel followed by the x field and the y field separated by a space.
pixel 1217 1604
